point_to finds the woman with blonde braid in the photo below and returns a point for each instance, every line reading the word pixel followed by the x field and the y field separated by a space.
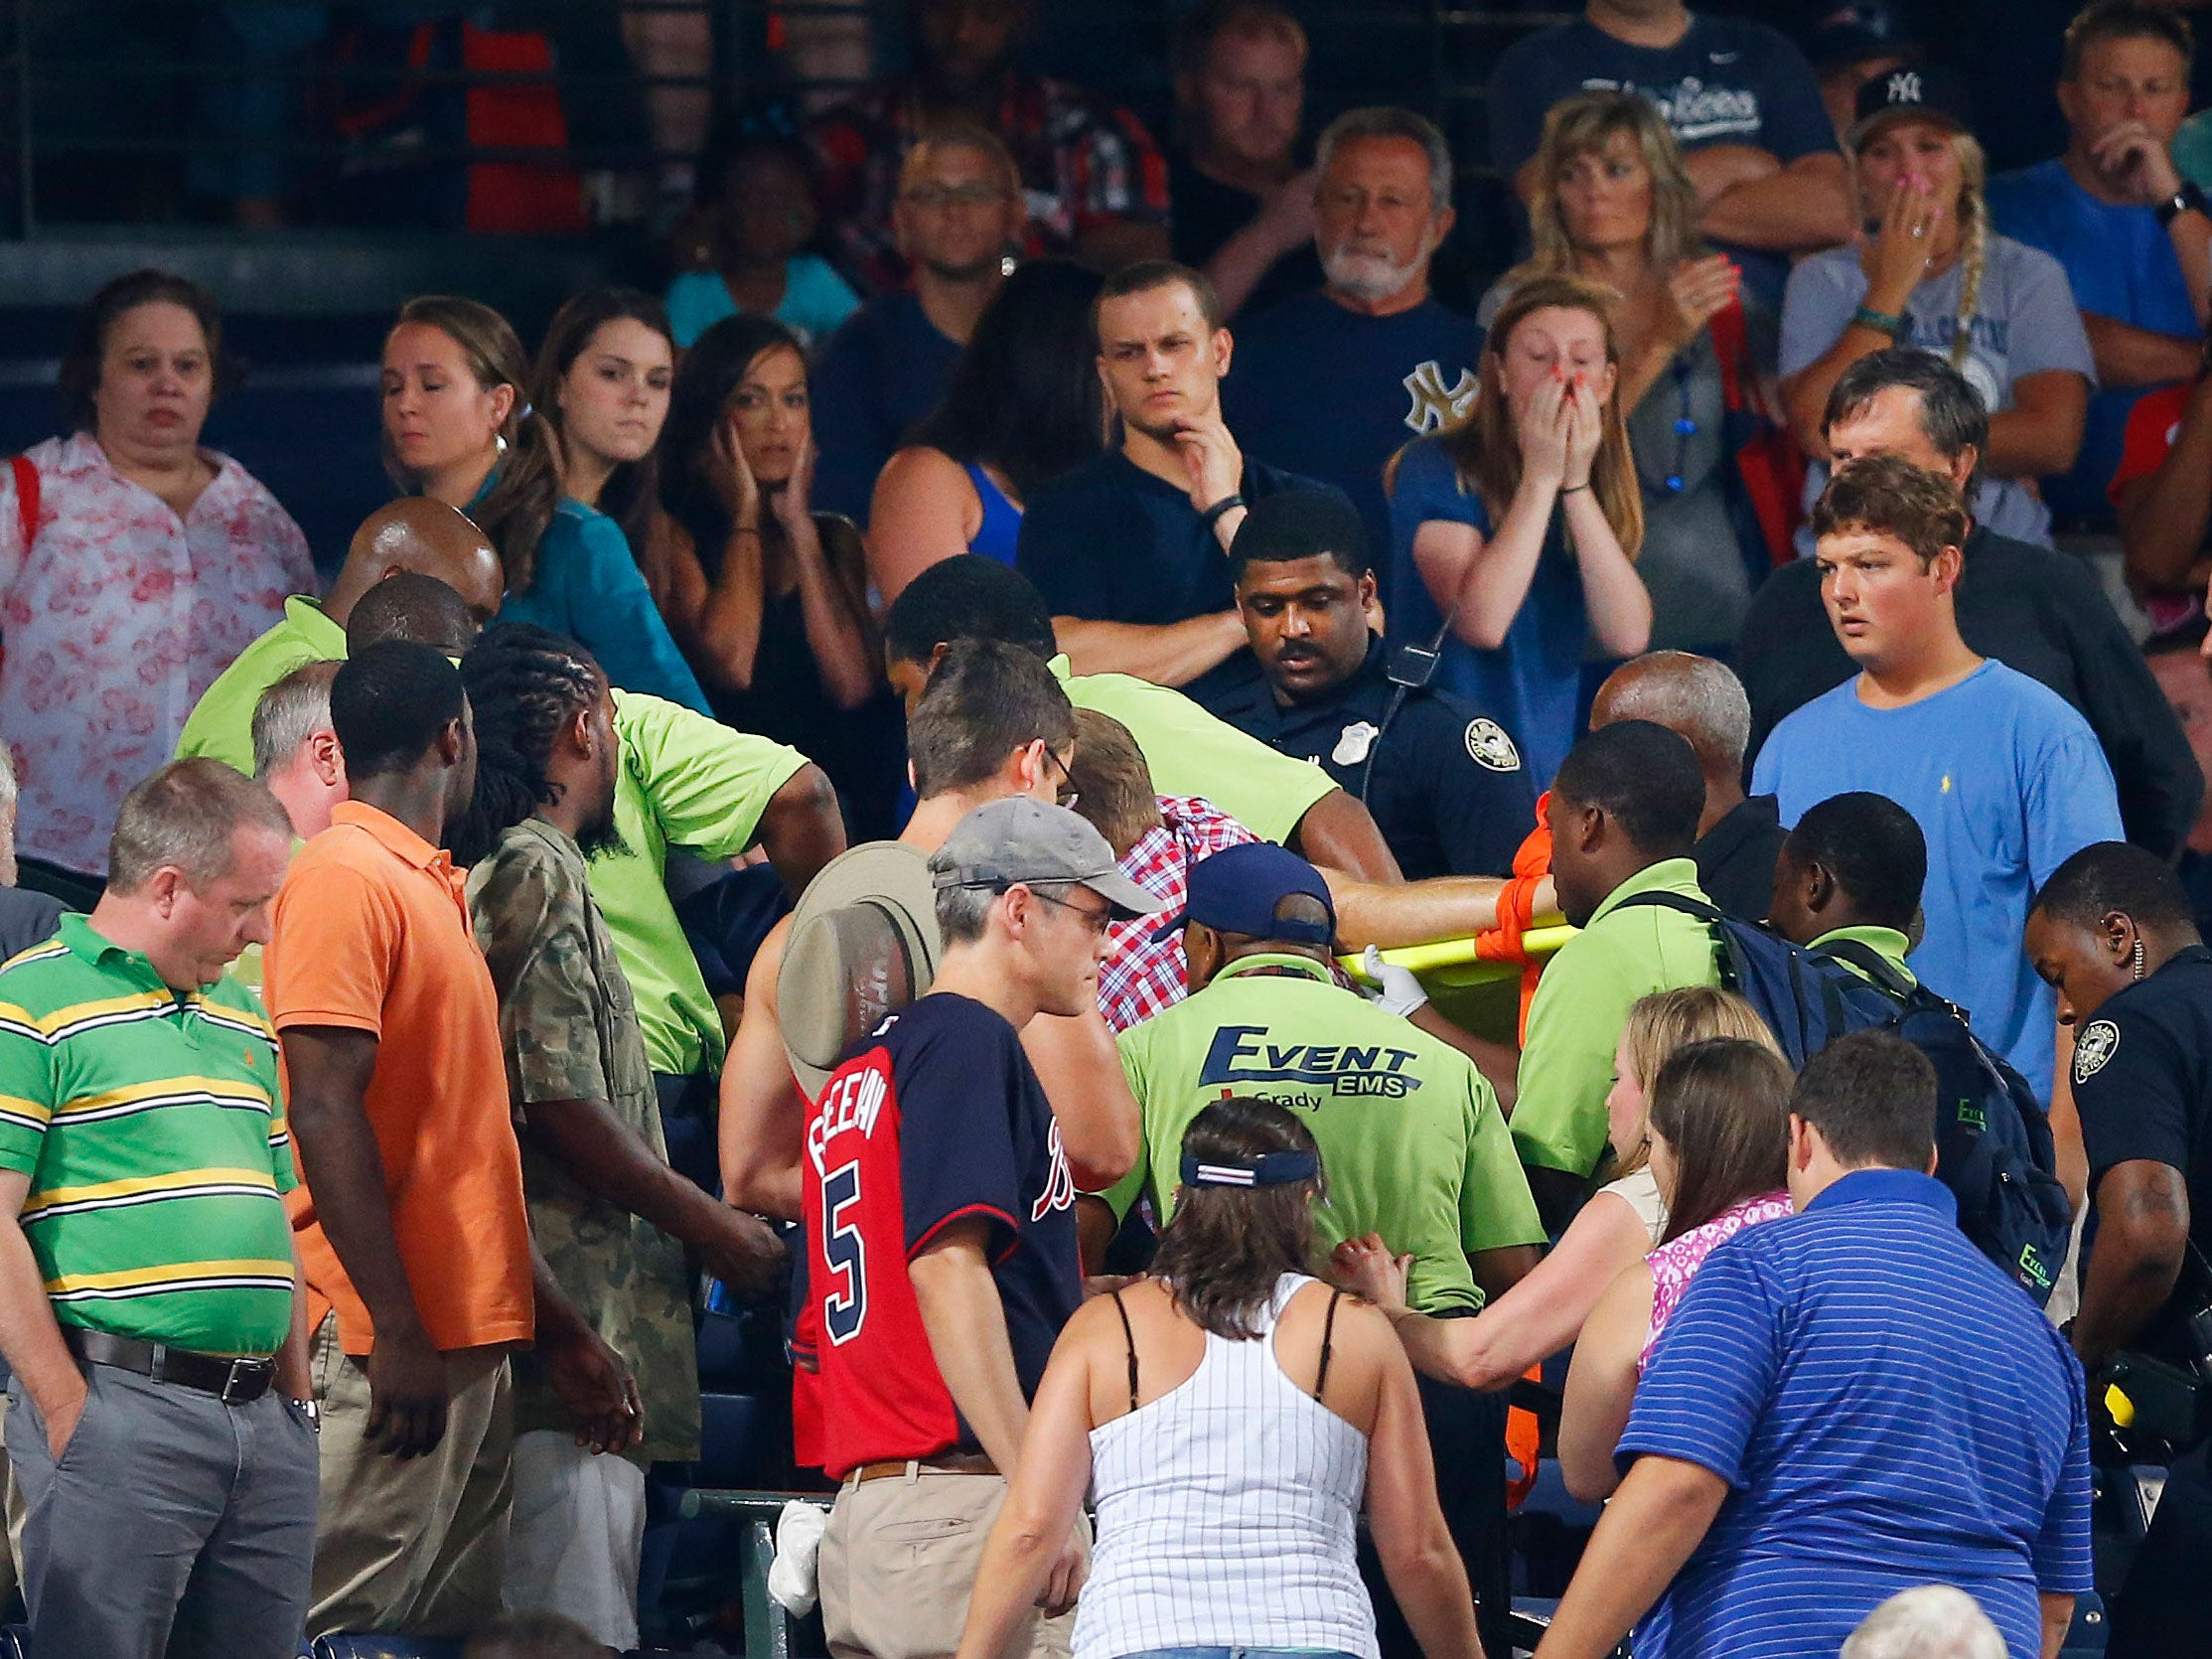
pixel 1931 272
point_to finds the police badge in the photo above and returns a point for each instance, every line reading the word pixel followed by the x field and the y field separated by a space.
pixel 2096 1045
pixel 1488 745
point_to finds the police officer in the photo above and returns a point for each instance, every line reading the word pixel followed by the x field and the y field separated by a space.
pixel 2113 930
pixel 1444 782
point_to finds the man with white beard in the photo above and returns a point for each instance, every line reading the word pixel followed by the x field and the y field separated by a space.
pixel 1334 382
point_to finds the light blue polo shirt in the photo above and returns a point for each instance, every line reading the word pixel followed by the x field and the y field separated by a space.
pixel 1889 1411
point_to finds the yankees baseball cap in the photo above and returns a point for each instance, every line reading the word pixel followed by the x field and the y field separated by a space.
pixel 1922 91
pixel 1024 842
pixel 1240 888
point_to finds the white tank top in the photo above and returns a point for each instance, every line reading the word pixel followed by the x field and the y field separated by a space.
pixel 1226 1514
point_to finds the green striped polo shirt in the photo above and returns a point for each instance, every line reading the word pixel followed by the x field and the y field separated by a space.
pixel 152 1128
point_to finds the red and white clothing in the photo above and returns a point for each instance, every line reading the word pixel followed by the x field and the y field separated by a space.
pixel 1676 1263
pixel 1140 976
pixel 117 617
pixel 2154 425
pixel 935 1118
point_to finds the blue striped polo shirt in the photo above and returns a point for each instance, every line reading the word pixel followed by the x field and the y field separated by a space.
pixel 1888 1409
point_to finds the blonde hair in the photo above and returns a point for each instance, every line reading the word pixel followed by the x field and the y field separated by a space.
pixel 1586 124
pixel 1484 448
pixel 1667 1020
pixel 1973 235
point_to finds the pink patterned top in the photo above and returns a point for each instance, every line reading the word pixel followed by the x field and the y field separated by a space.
pixel 114 619
pixel 1676 1263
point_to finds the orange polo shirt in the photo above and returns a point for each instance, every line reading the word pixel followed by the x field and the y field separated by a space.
pixel 370 932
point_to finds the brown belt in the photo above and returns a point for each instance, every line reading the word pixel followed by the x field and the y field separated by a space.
pixel 953 1462
pixel 236 1382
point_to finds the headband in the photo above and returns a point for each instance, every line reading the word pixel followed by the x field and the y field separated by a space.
pixel 1269 1169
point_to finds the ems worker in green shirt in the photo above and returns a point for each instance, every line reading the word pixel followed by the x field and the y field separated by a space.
pixel 147 1274
pixel 1278 797
pixel 1624 815
pixel 1410 1133
pixel 413 533
pixel 686 780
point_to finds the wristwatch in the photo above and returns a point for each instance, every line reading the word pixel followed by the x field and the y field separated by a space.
pixel 2188 199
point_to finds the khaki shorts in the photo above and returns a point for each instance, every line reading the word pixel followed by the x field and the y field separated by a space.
pixel 899 1559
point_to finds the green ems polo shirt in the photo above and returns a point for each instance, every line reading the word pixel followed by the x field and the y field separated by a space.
pixel 1582 1006
pixel 152 1129
pixel 1189 752
pixel 1887 943
pixel 692 782
pixel 1413 1144
pixel 685 781
pixel 221 726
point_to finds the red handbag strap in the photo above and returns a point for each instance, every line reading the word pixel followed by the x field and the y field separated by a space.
pixel 1732 346
pixel 27 496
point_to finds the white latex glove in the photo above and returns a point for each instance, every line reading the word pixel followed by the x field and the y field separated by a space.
pixel 790 1577
pixel 1401 990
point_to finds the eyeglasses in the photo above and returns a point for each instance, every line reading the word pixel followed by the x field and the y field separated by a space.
pixel 1096 921
pixel 1066 794
pixel 938 197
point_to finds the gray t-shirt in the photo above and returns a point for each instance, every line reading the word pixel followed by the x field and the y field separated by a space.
pixel 2024 323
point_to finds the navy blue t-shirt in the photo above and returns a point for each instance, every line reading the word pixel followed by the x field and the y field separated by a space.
pixel 884 369
pixel 1330 393
pixel 1109 542
pixel 935 1117
pixel 1728 80
pixel 1207 212
pixel 1530 684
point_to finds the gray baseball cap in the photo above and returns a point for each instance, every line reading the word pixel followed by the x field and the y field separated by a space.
pixel 1018 840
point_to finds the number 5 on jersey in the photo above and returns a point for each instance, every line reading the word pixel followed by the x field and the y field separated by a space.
pixel 844 1308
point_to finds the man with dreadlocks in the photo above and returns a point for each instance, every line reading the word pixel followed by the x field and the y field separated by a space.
pixel 610 1216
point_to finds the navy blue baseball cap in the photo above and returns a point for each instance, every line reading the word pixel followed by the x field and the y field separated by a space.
pixel 1238 889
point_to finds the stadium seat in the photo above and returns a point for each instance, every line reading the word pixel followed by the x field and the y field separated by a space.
pixel 731 1441
pixel 2090 1632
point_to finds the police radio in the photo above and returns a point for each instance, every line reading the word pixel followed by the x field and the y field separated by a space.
pixel 1412 668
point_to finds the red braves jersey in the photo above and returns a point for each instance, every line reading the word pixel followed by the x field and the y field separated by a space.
pixel 934 1118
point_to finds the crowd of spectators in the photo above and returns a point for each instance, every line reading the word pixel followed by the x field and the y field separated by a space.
pixel 1057 745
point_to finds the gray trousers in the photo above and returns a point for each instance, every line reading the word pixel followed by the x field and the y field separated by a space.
pixel 172 1525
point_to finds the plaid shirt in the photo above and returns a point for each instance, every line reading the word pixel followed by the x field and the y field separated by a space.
pixel 1142 977
pixel 1081 161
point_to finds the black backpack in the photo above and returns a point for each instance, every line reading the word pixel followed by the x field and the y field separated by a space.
pixel 1993 1146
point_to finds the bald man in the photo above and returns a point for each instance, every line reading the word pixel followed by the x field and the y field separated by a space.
pixel 1738 838
pixel 413 533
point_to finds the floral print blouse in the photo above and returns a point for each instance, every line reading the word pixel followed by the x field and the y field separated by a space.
pixel 113 622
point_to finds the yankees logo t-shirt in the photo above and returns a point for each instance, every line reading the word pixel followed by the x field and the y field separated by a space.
pixel 934 1119
pixel 1334 394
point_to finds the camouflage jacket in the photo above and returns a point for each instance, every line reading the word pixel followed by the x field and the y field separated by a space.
pixel 570 1026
